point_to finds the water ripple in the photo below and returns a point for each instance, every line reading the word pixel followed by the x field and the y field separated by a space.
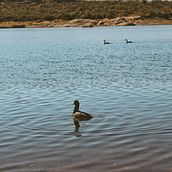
pixel 127 88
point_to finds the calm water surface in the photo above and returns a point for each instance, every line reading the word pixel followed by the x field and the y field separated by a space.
pixel 126 87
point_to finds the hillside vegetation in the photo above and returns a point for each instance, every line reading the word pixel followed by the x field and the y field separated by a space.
pixel 31 10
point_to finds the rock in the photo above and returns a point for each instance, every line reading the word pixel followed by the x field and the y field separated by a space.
pixel 100 23
pixel 83 22
pixel 133 17
pixel 88 25
pixel 126 24
pixel 4 27
pixel 105 22
pixel 119 20
pixel 12 26
pixel 18 26
pixel 71 25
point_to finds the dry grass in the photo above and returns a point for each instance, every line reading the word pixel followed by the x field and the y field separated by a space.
pixel 33 10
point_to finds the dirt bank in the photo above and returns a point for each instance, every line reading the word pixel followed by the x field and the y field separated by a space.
pixel 119 21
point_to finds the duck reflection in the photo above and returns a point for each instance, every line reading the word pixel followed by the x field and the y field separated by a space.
pixel 77 132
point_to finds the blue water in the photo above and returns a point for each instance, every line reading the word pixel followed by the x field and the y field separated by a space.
pixel 126 87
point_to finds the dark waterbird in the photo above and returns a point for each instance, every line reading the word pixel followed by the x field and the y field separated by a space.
pixel 127 41
pixel 105 42
pixel 79 115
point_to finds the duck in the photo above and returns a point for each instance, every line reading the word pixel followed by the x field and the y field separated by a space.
pixel 79 115
pixel 105 42
pixel 127 41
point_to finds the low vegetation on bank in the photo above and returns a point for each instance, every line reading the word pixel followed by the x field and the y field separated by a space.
pixel 49 10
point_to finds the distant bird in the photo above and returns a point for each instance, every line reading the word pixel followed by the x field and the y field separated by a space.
pixel 127 41
pixel 79 115
pixel 105 42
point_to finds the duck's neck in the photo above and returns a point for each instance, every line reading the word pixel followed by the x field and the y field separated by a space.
pixel 76 109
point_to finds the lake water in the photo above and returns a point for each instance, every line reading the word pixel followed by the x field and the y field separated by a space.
pixel 126 87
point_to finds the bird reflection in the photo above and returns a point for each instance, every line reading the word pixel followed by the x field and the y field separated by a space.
pixel 77 132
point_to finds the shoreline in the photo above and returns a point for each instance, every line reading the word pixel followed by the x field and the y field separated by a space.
pixel 86 23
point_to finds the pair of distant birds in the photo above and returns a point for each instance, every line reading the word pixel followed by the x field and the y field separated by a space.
pixel 126 41
pixel 79 115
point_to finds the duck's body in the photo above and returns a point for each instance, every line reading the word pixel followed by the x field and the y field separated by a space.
pixel 127 41
pixel 79 115
pixel 82 116
pixel 105 42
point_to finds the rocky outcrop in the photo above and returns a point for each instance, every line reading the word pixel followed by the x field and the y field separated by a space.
pixel 119 21
pixel 82 22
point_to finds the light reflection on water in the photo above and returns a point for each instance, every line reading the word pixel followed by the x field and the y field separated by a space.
pixel 127 88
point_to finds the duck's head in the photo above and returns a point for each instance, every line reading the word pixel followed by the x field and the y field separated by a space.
pixel 76 106
pixel 76 103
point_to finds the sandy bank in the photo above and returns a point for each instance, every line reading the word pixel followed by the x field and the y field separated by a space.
pixel 122 21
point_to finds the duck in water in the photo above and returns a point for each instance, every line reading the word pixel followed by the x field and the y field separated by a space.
pixel 127 41
pixel 105 42
pixel 79 115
